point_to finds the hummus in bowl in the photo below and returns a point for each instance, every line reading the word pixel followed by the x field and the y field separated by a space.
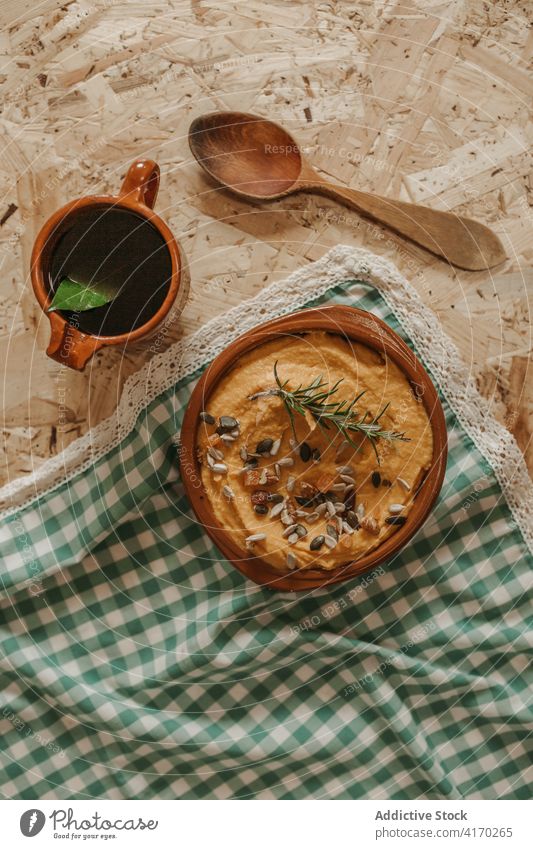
pixel 313 442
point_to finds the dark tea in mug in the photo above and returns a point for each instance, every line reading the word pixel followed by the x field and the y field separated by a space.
pixel 121 250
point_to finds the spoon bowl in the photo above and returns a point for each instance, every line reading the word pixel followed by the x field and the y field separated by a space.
pixel 259 160
pixel 252 156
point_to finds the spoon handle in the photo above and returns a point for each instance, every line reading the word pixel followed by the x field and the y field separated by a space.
pixel 462 241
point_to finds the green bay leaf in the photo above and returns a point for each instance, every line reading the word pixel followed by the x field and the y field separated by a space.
pixel 77 297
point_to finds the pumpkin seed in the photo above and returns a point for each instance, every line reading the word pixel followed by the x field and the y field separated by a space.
pixel 305 452
pixel 317 543
pixel 396 520
pixel 352 519
pixel 264 446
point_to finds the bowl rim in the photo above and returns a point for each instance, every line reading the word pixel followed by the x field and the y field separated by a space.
pixel 358 326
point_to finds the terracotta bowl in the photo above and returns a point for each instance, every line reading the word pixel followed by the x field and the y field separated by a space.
pixel 355 325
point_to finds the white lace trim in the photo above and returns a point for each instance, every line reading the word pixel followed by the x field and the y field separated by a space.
pixel 341 263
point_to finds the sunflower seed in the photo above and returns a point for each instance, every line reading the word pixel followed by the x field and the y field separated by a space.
pixel 275 497
pixel 293 538
pixel 322 508
pixel 261 509
pixel 396 508
pixel 339 521
pixel 221 468
pixel 290 483
pixel 349 499
pixel 330 508
pixel 276 509
pixel 345 470
pixel 215 453
pixel 305 452
pixel 317 543
pixel 227 438
pixel 376 479
pixel 286 461
pixel 235 433
pixel 228 492
pixel 301 513
pixel 210 461
pixel 347 528
pixel 331 530
pixel 290 530
pixel 396 520
pixel 227 423
pixel 277 470
pixel 311 518
pixel 347 479
pixel 331 542
pixel 341 447
pixel 207 417
pixel 339 506
pixel 404 483
pixel 301 531
pixel 352 519
pixel 275 447
pixel 360 510
pixel 338 487
pixel 292 563
pixel 292 442
pixel 243 453
pixel 255 538
pixel 286 517
pixel 264 446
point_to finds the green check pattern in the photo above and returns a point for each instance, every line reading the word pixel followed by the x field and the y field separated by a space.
pixel 137 663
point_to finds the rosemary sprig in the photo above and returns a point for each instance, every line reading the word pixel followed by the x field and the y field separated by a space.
pixel 316 399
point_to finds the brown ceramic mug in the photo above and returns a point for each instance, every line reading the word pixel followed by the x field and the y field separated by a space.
pixel 69 344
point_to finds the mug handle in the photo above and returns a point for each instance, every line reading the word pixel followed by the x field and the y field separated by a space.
pixel 141 183
pixel 68 345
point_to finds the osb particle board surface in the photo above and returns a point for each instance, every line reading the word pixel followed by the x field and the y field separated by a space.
pixel 422 101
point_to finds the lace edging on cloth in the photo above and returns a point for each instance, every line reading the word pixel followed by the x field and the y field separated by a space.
pixel 341 263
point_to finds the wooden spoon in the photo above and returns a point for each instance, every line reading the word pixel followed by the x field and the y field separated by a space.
pixel 259 160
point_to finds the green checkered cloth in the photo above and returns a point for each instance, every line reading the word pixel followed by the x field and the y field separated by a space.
pixel 137 663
